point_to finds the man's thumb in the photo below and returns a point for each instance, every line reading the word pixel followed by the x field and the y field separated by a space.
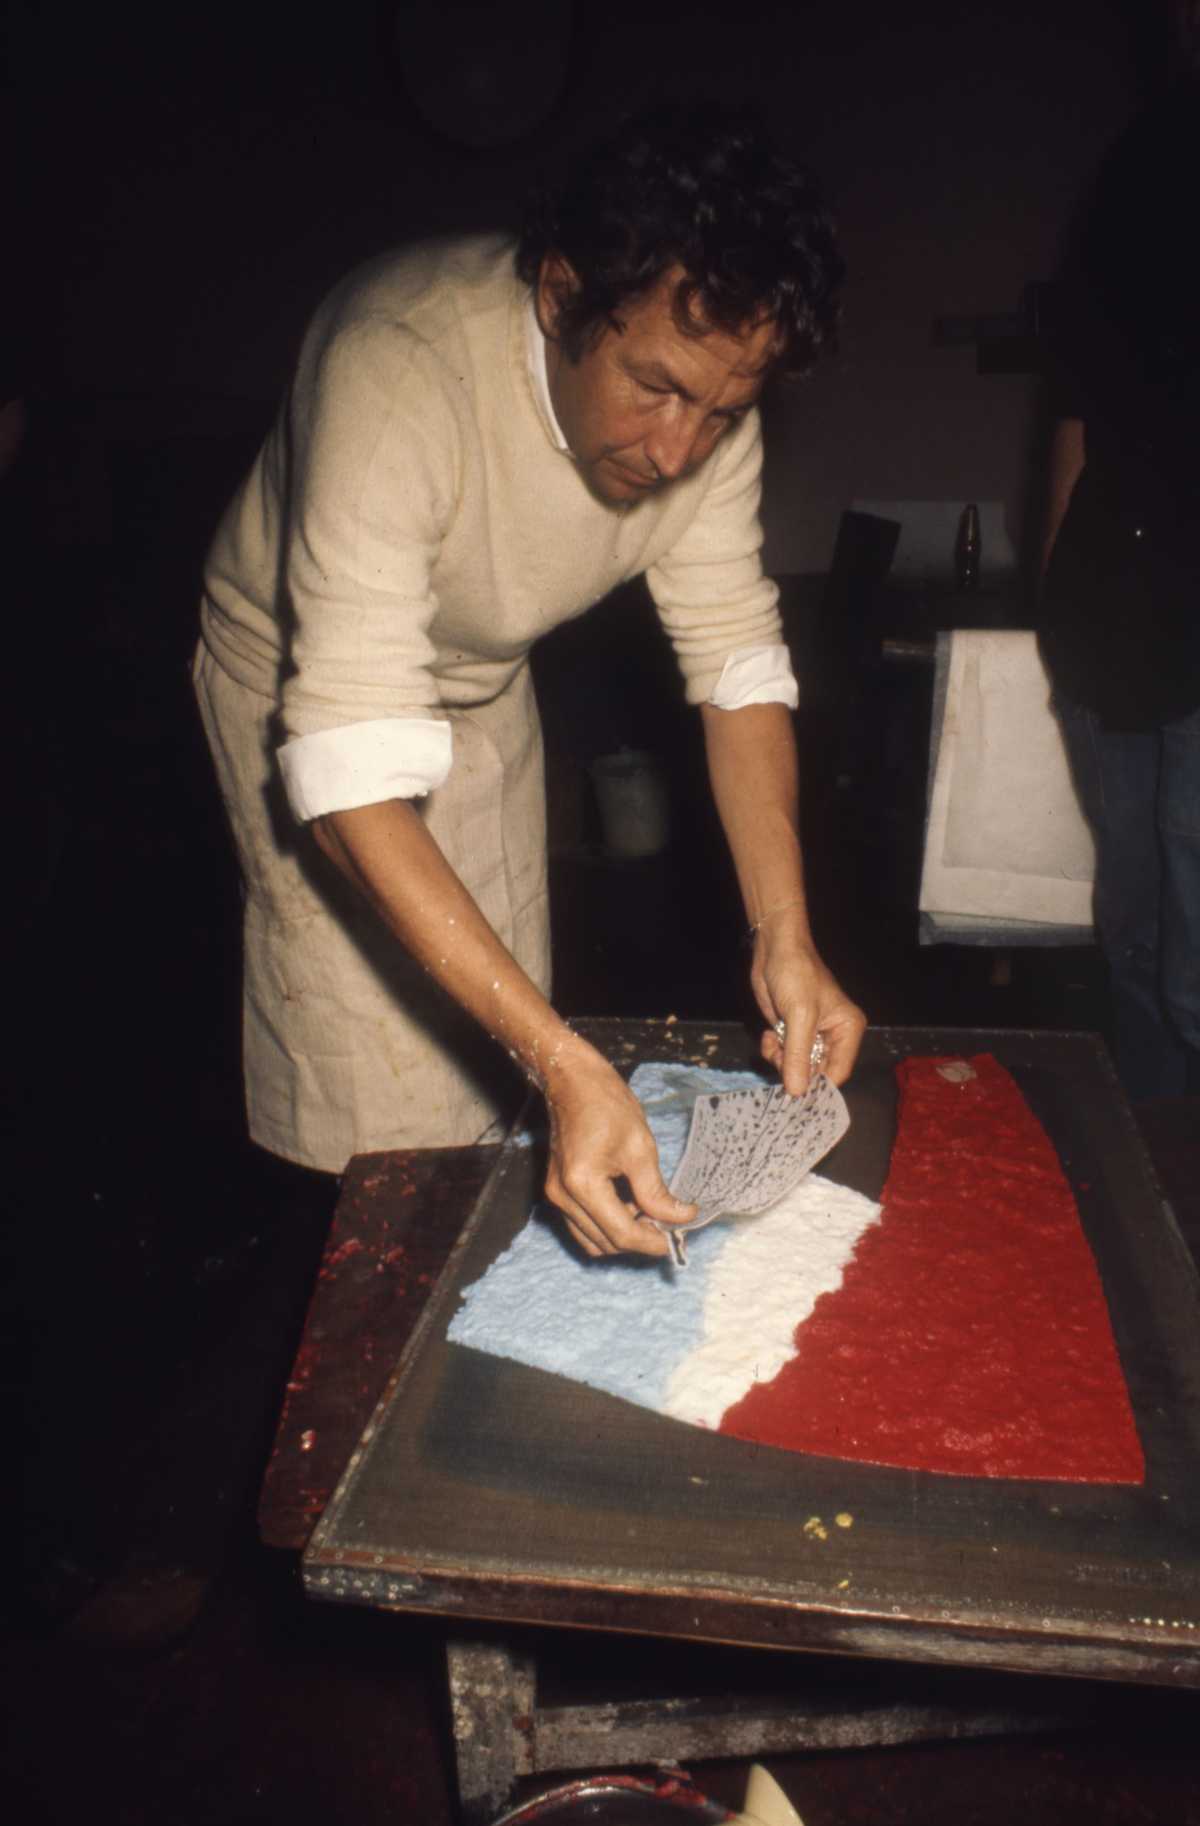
pixel 654 1200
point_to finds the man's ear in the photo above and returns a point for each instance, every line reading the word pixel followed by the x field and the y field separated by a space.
pixel 557 284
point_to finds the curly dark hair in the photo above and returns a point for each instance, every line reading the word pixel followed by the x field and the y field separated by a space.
pixel 702 187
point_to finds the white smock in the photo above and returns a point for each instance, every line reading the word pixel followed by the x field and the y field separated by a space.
pixel 409 529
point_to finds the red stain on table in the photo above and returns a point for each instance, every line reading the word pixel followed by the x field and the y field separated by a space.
pixel 970 1333
pixel 396 1222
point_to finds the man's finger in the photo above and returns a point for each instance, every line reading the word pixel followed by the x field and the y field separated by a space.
pixel 654 1199
pixel 582 1238
pixel 798 1039
pixel 634 1234
pixel 843 1042
pixel 613 1225
pixel 584 1229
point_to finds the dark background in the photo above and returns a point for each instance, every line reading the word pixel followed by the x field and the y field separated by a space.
pixel 184 185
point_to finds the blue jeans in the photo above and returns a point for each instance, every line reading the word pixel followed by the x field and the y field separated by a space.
pixel 1140 792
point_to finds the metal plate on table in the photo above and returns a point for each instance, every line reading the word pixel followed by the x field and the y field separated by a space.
pixel 486 1489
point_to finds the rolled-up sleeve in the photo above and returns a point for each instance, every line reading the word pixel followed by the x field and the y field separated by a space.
pixel 333 770
pixel 375 456
pixel 709 589
pixel 756 675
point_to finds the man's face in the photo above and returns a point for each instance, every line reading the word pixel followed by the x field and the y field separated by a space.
pixel 646 404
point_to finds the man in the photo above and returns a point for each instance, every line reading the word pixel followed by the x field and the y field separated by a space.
pixel 1120 609
pixel 476 448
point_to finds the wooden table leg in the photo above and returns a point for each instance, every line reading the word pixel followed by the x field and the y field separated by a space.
pixel 491 1708
pixel 501 1733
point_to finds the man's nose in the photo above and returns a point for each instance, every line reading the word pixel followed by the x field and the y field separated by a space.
pixel 671 445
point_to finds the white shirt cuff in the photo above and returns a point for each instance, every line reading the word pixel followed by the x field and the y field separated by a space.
pixel 756 675
pixel 392 757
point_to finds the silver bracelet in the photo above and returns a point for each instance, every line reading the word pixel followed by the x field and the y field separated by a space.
pixel 770 914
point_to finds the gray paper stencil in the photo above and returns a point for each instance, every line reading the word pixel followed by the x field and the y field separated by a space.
pixel 746 1149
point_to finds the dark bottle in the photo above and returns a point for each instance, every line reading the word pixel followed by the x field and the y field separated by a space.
pixel 967 549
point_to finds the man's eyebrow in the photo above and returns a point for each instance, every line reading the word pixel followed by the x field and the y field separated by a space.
pixel 655 370
pixel 658 370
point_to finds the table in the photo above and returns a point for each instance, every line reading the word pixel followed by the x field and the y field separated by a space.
pixel 482 1490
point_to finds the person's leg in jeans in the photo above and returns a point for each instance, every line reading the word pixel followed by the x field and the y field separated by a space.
pixel 1117 775
pixel 1179 829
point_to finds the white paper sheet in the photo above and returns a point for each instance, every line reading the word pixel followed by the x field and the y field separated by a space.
pixel 1005 835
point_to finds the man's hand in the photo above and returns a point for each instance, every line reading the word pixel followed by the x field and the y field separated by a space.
pixel 598 1134
pixel 792 985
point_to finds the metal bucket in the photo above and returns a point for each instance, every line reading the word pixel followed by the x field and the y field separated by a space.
pixel 618 1800
pixel 632 796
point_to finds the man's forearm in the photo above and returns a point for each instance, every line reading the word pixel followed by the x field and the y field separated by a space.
pixel 753 768
pixel 598 1134
pixel 387 851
